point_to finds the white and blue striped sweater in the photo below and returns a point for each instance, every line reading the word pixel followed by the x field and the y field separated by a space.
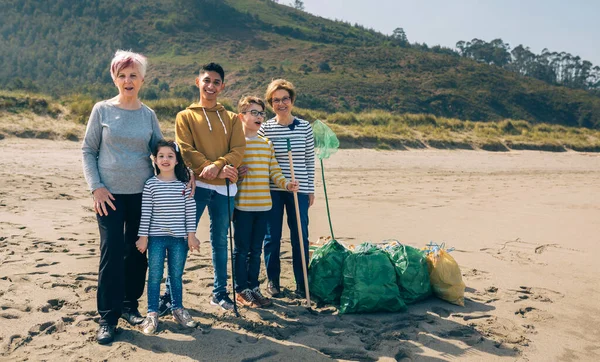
pixel 303 151
pixel 167 209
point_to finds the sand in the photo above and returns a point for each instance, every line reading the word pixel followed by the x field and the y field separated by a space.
pixel 524 224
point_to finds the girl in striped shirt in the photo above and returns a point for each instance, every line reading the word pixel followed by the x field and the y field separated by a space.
pixel 253 202
pixel 168 219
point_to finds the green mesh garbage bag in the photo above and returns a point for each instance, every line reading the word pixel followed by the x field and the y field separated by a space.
pixel 411 269
pixel 326 144
pixel 325 277
pixel 370 283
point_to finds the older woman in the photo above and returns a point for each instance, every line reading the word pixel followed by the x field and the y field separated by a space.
pixel 120 135
pixel 281 96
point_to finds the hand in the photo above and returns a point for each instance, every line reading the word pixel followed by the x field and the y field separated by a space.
pixel 311 199
pixel 242 171
pixel 102 197
pixel 193 243
pixel 229 172
pixel 210 172
pixel 292 186
pixel 142 244
pixel 192 184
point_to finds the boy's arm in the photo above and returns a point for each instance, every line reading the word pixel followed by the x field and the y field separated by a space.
pixel 237 144
pixel 185 139
pixel 275 170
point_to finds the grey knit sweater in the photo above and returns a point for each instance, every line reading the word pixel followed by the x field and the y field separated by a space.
pixel 117 147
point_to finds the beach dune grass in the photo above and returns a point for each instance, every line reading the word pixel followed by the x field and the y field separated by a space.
pixel 41 116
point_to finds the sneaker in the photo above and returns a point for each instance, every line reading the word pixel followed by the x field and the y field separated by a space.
pixel 247 299
pixel 164 304
pixel 222 300
pixel 183 317
pixel 273 289
pixel 260 298
pixel 150 324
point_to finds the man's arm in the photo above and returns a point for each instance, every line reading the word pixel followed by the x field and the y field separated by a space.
pixel 237 145
pixel 184 137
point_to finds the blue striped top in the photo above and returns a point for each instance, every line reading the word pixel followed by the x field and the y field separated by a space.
pixel 303 152
pixel 167 209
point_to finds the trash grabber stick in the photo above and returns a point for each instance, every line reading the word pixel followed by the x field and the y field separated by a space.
pixel 235 310
pixel 326 199
pixel 298 221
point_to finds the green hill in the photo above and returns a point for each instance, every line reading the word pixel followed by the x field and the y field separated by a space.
pixel 64 47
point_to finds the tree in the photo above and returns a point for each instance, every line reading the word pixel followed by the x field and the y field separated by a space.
pixel 299 4
pixel 400 36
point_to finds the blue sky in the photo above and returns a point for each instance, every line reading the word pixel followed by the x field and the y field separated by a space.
pixel 570 26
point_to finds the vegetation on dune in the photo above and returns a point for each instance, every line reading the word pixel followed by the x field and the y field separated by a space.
pixel 39 116
pixel 63 48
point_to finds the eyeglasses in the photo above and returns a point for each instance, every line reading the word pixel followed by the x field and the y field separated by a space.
pixel 256 113
pixel 282 100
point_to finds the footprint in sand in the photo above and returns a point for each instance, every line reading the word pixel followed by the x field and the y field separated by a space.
pixel 349 353
pixel 533 314
pixel 543 295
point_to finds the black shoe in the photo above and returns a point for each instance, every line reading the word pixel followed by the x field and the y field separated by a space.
pixel 300 293
pixel 273 289
pixel 105 334
pixel 164 304
pixel 133 317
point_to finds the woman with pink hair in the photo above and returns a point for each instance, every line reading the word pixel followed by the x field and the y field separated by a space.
pixel 120 134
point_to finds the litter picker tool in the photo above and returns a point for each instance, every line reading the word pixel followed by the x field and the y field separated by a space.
pixel 299 223
pixel 235 310
pixel 326 144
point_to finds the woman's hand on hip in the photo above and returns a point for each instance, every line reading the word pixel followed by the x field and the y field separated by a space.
pixel 311 199
pixel 102 197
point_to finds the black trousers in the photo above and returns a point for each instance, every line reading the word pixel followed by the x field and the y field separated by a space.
pixel 122 272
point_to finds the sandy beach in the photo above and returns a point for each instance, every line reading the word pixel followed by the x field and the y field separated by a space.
pixel 524 224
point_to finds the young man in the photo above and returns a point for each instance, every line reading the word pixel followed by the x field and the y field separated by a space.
pixel 212 144
pixel 253 202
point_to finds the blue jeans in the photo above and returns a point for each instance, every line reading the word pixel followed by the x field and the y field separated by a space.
pixel 249 229
pixel 281 200
pixel 219 226
pixel 176 250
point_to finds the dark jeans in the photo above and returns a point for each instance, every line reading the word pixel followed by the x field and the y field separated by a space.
pixel 175 250
pixel 249 229
pixel 285 200
pixel 122 272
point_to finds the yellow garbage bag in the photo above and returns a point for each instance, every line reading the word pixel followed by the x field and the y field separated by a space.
pixel 445 277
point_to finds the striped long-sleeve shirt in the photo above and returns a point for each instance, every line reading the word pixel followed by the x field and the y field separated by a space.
pixel 253 191
pixel 303 151
pixel 167 209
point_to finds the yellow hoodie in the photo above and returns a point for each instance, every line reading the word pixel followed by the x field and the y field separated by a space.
pixel 209 135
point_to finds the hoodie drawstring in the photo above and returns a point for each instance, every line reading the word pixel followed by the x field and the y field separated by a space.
pixel 208 120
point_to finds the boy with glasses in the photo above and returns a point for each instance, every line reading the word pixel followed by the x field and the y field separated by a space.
pixel 253 202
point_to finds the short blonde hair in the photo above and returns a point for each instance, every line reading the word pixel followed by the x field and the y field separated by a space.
pixel 278 84
pixel 124 59
pixel 246 101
